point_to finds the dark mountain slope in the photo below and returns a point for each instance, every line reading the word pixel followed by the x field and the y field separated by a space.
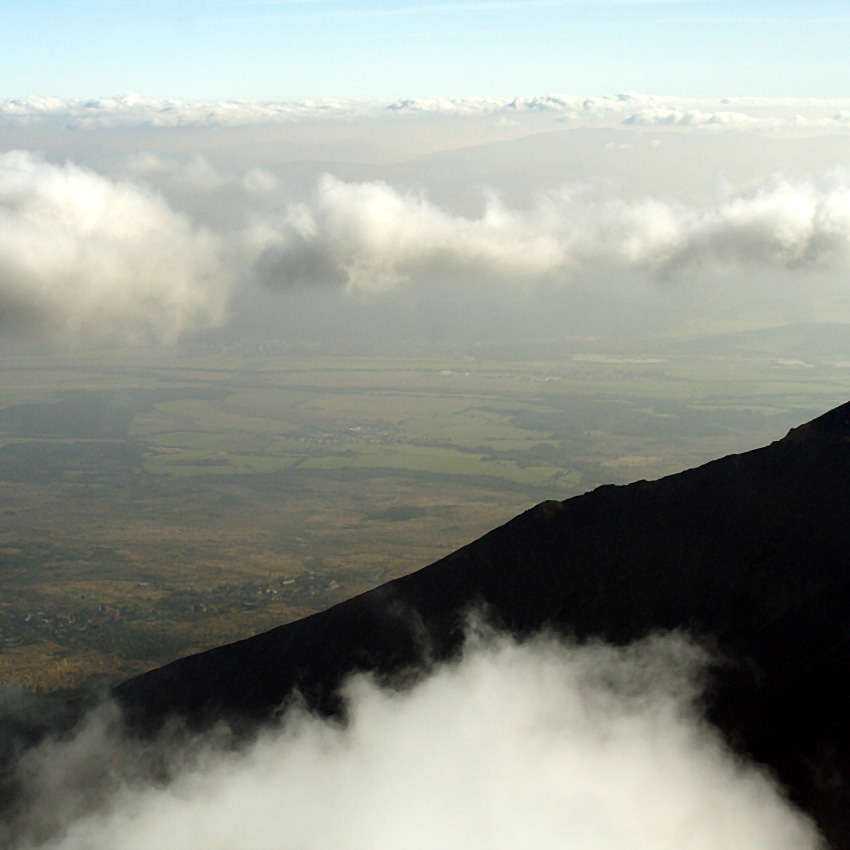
pixel 751 551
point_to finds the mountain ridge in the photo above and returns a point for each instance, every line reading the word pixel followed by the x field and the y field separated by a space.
pixel 748 553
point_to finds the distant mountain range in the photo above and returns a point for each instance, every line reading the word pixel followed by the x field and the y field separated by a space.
pixel 801 340
pixel 750 552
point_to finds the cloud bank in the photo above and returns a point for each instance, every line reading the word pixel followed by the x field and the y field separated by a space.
pixel 132 110
pixel 89 258
pixel 537 744
pixel 84 257
pixel 371 236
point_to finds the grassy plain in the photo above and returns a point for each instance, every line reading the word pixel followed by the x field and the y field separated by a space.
pixel 158 504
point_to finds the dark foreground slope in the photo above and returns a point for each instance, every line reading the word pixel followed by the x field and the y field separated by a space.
pixel 751 552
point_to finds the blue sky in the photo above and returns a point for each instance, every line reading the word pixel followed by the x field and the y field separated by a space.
pixel 266 49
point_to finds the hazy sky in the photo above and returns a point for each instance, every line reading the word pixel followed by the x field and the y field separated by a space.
pixel 273 49
pixel 412 158
pixel 135 219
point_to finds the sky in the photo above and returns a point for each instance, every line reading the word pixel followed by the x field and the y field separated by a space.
pixel 636 167
pixel 136 220
pixel 285 49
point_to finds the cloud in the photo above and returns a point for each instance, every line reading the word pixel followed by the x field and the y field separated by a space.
pixel 259 181
pixel 693 118
pixel 372 237
pixel 691 114
pixel 84 258
pixel 538 744
pixel 89 258
pixel 192 172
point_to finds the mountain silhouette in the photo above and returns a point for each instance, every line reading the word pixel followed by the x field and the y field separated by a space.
pixel 750 553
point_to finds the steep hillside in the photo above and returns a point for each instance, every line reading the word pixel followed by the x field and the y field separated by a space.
pixel 750 552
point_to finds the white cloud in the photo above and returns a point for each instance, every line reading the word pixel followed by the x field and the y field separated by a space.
pixel 193 172
pixel 371 237
pixel 536 745
pixel 88 258
pixel 260 181
pixel 84 258
pixel 131 110
pixel 663 116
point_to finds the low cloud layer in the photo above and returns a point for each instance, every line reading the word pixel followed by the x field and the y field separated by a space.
pixel 535 745
pixel 89 258
pixel 84 257
pixel 371 237
pixel 132 110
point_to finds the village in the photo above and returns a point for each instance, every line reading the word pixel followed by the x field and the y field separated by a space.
pixel 95 623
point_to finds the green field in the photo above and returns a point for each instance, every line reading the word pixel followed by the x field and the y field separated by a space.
pixel 158 503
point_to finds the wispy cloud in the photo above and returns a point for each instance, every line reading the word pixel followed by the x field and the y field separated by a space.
pixel 726 19
pixel 496 5
pixel 442 8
